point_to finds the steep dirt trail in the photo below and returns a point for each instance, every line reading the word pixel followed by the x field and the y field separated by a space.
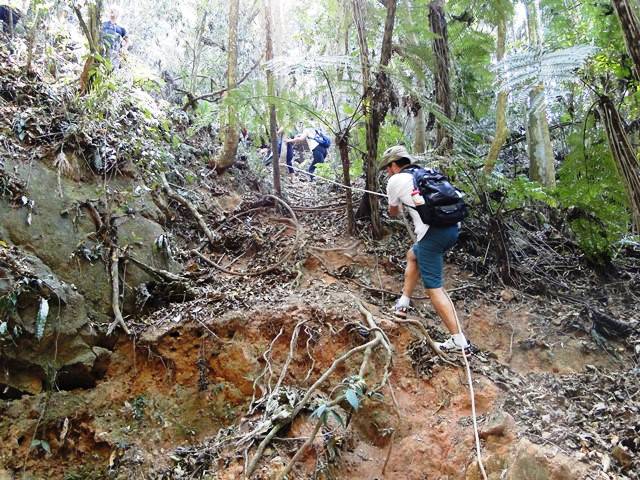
pixel 166 398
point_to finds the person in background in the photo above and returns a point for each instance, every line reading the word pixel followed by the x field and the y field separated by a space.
pixel 114 38
pixel 317 142
pixel 9 17
pixel 289 150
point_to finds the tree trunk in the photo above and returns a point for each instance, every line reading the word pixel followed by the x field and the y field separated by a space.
pixel 624 156
pixel 376 101
pixel 91 29
pixel 541 161
pixel 342 141
pixel 230 147
pixel 420 124
pixel 33 31
pixel 631 30
pixel 271 91
pixel 438 24
pixel 501 106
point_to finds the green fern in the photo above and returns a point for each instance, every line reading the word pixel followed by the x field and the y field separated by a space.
pixel 522 70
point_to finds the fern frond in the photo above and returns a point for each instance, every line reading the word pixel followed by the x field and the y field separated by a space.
pixel 522 70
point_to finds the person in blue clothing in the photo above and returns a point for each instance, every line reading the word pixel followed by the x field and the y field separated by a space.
pixel 425 259
pixel 319 151
pixel 9 17
pixel 114 38
pixel 289 150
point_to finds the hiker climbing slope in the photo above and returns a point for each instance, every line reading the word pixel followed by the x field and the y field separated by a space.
pixel 318 143
pixel 426 257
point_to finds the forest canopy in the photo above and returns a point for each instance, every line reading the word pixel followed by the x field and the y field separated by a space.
pixel 530 104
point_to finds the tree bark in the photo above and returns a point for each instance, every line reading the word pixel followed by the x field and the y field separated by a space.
pixel 541 161
pixel 501 106
pixel 624 156
pixel 438 25
pixel 377 99
pixel 631 30
pixel 91 29
pixel 342 141
pixel 230 147
pixel 271 91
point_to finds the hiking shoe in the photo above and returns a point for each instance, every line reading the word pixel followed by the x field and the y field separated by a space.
pixel 449 346
pixel 400 311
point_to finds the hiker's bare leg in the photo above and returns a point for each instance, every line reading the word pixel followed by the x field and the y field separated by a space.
pixel 444 308
pixel 411 274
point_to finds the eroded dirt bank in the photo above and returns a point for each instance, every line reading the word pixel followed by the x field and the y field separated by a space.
pixel 174 403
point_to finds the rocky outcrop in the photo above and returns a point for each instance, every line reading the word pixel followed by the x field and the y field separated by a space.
pixel 49 252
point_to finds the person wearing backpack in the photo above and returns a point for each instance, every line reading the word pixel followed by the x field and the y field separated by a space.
pixel 429 197
pixel 318 143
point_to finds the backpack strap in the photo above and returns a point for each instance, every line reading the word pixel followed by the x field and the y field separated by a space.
pixel 413 170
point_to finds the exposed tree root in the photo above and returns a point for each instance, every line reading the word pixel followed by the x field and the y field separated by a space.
pixel 335 249
pixel 186 203
pixel 157 272
pixel 115 294
pixel 426 336
pixel 367 348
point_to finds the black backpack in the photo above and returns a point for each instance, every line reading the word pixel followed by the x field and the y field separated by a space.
pixel 443 205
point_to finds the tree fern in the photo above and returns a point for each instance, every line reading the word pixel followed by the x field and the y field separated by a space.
pixel 522 70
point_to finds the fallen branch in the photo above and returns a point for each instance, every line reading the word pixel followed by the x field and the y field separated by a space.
pixel 301 450
pixel 386 461
pixel 186 203
pixel 115 295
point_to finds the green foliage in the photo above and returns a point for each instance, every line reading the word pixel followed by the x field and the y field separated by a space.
pixel 324 412
pixel 590 185
pixel 522 191
pixel 138 407
pixel 474 81
pixel 43 444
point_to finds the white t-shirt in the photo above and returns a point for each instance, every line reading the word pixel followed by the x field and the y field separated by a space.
pixel 310 133
pixel 399 188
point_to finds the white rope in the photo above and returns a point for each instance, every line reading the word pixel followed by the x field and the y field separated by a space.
pixel 471 393
pixel 333 182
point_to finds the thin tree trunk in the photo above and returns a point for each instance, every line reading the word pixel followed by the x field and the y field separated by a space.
pixel 541 161
pixel 230 148
pixel 342 141
pixel 631 30
pixel 501 106
pixel 624 156
pixel 438 26
pixel 420 123
pixel 271 90
pixel 197 52
pixel 377 100
pixel 91 29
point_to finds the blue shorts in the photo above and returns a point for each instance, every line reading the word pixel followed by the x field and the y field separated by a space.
pixel 430 253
